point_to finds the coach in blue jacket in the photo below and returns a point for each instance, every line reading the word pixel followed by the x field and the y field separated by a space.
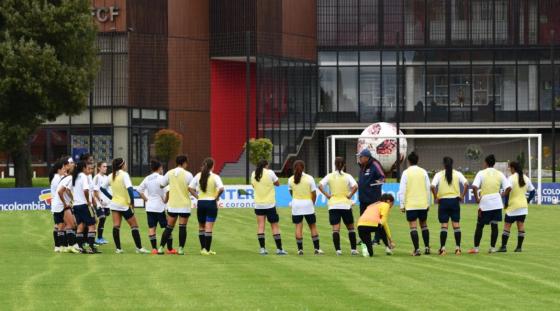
pixel 370 181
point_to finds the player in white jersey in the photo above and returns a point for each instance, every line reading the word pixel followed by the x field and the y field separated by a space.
pixel 303 191
pixel 154 200
pixel 517 205
pixel 62 200
pixel 490 181
pixel 83 206
pixel 56 174
pixel 103 198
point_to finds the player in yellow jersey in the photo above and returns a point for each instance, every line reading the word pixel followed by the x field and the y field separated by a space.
pixel 446 188
pixel 490 181
pixel 122 205
pixel 342 186
pixel 178 204
pixel 264 181
pixel 375 219
pixel 414 195
pixel 517 205
pixel 303 191
pixel 207 187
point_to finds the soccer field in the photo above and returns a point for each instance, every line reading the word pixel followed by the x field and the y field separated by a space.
pixel 33 277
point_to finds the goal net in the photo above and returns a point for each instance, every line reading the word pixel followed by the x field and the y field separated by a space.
pixel 467 150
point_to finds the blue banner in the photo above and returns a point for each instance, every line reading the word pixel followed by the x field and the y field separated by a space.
pixel 235 196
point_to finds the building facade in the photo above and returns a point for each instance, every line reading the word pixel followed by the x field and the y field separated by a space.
pixel 296 71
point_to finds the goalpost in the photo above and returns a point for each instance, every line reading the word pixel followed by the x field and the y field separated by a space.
pixel 332 140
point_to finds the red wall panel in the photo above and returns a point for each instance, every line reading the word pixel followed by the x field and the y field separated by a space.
pixel 228 111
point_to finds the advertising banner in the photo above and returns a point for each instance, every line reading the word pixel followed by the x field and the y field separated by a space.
pixel 234 196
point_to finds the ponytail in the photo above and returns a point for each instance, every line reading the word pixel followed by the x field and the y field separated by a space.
pixel 207 165
pixel 299 166
pixel 517 168
pixel 448 165
pixel 58 165
pixel 339 164
pixel 79 169
pixel 260 167
pixel 118 164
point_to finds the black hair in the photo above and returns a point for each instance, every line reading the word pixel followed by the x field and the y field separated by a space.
pixel 85 156
pixel 387 197
pixel 339 164
pixel 207 165
pixel 181 159
pixel 260 167
pixel 155 165
pixel 59 164
pixel 413 158
pixel 517 168
pixel 490 160
pixel 448 165
pixel 118 164
pixel 299 166
pixel 79 169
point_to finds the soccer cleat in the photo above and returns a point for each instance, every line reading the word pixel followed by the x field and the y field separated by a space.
pixel 155 251
pixel 388 251
pixel 171 251
pixel 101 241
pixel 74 249
pixel 416 253
pixel 474 250
pixel 354 252
pixel 92 251
pixel 263 251
pixel 160 250
pixel 142 251
pixel 319 252
pixel 492 250
pixel 180 251
pixel 281 252
pixel 364 250
pixel 204 252
pixel 57 249
pixel 300 252
pixel 338 252
pixel 211 252
pixel 442 251
pixel 119 251
pixel 502 249
pixel 427 251
pixel 458 252
pixel 518 250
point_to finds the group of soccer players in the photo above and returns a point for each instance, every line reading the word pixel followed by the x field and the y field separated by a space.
pixel 80 201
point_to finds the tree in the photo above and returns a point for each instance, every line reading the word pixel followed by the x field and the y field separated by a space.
pixel 48 62
pixel 167 145
pixel 260 149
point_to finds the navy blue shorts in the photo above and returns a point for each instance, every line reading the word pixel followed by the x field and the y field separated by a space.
pixel 103 212
pixel 420 214
pixel 58 218
pixel 488 217
pixel 335 215
pixel 449 209
pixel 512 219
pixel 270 213
pixel 182 215
pixel 154 218
pixel 129 213
pixel 311 219
pixel 84 215
pixel 206 211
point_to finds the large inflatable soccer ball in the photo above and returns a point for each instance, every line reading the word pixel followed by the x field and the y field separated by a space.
pixel 383 149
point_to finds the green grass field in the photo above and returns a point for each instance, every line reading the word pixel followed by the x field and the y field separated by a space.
pixel 35 278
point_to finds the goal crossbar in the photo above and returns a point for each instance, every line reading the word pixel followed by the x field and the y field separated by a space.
pixel 331 147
